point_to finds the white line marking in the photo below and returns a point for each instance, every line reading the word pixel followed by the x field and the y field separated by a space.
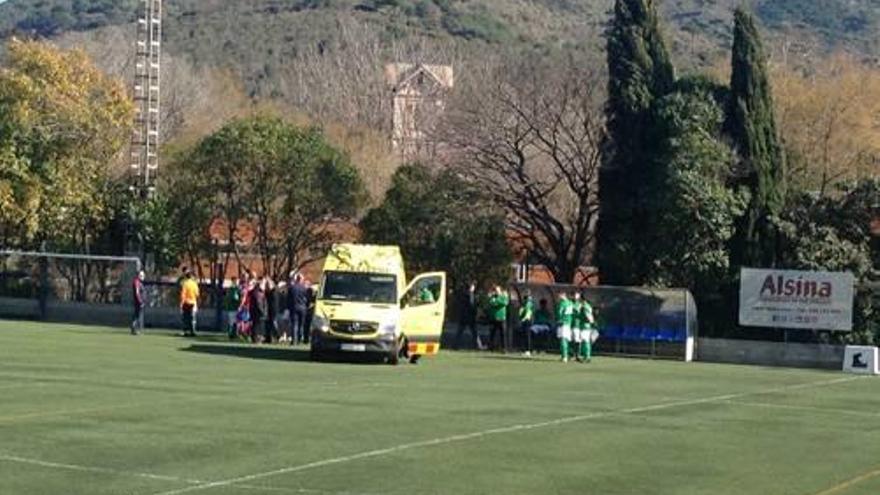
pixel 494 431
pixel 158 477
pixel 90 469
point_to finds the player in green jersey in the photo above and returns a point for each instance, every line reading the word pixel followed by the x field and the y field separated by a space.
pixel 564 320
pixel 577 325
pixel 585 339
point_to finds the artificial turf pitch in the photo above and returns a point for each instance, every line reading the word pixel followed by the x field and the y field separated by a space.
pixel 96 411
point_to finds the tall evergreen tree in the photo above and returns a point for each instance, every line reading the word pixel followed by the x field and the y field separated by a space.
pixel 752 126
pixel 640 72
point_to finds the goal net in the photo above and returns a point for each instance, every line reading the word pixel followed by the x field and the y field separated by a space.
pixel 66 287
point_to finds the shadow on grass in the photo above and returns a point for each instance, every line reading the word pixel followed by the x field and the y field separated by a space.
pixel 250 352
pixel 518 357
pixel 275 354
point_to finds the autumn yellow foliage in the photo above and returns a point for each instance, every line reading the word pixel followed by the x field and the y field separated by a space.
pixel 63 124
pixel 829 117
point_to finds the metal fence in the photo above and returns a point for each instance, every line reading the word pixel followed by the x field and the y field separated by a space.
pixel 91 290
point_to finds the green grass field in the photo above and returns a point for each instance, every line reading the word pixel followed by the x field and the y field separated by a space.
pixel 96 411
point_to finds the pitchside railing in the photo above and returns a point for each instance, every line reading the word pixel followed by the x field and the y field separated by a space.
pixel 631 321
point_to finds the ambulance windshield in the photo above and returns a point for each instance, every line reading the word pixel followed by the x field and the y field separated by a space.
pixel 359 287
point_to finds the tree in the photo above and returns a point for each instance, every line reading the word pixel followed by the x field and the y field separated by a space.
pixel 276 187
pixel 532 141
pixel 189 205
pixel 639 72
pixel 752 125
pixel 62 125
pixel 441 222
pixel 827 119
pixel 833 233
pixel 162 229
pixel 696 211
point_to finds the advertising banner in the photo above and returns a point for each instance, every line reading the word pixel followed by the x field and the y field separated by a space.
pixel 796 299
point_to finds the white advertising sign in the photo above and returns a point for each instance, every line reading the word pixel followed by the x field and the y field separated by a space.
pixel 861 360
pixel 796 299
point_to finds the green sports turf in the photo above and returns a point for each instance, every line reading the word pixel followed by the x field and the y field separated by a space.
pixel 96 411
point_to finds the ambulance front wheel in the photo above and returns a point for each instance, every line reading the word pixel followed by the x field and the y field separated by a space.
pixel 393 359
pixel 399 352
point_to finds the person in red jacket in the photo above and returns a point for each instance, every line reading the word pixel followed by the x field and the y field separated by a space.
pixel 139 300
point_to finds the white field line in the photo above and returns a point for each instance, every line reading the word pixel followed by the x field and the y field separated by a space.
pixel 155 477
pixel 827 410
pixel 495 431
pixel 92 469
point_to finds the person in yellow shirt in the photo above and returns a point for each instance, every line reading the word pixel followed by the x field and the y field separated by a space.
pixel 189 303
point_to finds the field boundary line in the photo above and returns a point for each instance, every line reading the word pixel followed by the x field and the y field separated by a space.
pixel 158 477
pixel 850 482
pixel 496 431
pixel 94 469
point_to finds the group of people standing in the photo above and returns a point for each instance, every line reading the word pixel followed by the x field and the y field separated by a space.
pixel 575 325
pixel 575 322
pixel 252 307
pixel 494 305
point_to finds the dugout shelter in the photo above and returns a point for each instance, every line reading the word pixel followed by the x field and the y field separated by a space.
pixel 632 321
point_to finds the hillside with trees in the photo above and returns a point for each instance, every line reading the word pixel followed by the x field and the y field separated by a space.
pixel 258 38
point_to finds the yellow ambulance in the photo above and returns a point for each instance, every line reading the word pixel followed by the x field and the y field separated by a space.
pixel 365 306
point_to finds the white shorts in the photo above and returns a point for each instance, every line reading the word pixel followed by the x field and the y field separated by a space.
pixel 563 332
pixel 585 335
pixel 539 328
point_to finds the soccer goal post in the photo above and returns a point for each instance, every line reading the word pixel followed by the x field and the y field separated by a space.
pixel 66 287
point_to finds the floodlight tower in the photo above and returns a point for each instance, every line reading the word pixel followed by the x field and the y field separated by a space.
pixel 144 157
pixel 147 79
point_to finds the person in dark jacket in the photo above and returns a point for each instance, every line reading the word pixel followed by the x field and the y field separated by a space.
pixel 257 309
pixel 310 314
pixel 270 330
pixel 140 299
pixel 298 304
pixel 467 316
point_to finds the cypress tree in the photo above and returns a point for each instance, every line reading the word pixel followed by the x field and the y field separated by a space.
pixel 640 72
pixel 752 126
